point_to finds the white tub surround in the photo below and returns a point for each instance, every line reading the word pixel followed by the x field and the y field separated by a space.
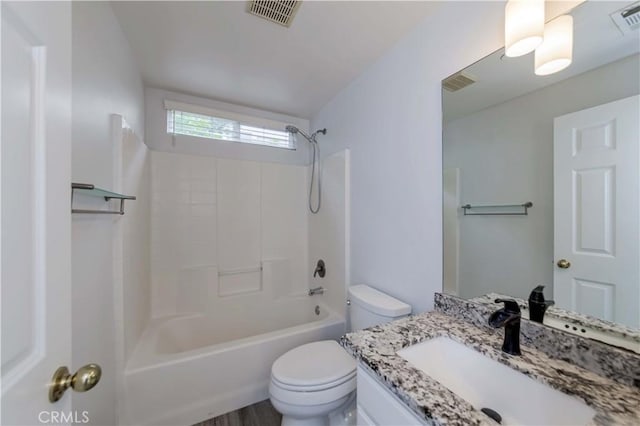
pixel 224 228
pixel 191 368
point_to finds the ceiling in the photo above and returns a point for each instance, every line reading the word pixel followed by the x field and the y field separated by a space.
pixel 216 49
pixel 597 41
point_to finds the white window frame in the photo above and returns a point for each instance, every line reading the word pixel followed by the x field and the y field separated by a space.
pixel 240 119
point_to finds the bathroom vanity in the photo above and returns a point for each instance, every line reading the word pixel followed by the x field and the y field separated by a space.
pixel 377 405
pixel 396 385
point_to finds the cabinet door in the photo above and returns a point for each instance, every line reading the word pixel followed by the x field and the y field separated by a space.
pixel 377 406
pixel 363 418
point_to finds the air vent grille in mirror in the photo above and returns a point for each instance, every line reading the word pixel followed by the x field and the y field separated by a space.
pixel 278 11
pixel 457 81
pixel 628 18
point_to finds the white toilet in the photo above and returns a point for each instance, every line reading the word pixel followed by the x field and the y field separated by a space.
pixel 314 384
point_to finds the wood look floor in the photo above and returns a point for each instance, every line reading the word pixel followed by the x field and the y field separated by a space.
pixel 259 414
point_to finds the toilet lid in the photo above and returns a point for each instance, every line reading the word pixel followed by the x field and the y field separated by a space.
pixel 313 364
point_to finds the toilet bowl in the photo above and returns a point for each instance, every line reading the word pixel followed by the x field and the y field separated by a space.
pixel 311 382
pixel 315 384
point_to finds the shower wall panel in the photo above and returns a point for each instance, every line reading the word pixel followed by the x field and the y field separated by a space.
pixel 225 228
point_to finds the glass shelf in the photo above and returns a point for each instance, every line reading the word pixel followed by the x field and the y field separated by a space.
pixel 497 209
pixel 88 189
pixel 91 190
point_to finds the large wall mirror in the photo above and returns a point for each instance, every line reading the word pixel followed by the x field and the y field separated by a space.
pixel 541 175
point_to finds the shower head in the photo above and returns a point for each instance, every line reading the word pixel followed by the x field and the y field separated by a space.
pixel 312 139
pixel 294 130
pixel 291 129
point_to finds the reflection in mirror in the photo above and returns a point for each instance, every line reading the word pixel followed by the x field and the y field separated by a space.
pixel 569 144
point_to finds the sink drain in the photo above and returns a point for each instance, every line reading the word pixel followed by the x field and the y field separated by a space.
pixel 493 414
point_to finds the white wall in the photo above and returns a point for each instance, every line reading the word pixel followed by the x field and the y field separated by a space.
pixel 158 139
pixel 105 81
pixel 505 155
pixel 211 217
pixel 390 118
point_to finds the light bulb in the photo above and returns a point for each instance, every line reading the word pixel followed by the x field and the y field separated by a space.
pixel 523 26
pixel 556 51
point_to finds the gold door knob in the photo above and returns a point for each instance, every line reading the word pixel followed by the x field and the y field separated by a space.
pixel 564 264
pixel 84 379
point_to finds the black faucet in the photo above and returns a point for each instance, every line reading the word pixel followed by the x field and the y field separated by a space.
pixel 509 318
pixel 538 305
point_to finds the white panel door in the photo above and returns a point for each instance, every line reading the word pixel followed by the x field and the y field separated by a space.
pixel 35 211
pixel 596 208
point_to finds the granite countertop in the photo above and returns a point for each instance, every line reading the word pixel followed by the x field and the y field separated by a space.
pixel 571 317
pixel 376 348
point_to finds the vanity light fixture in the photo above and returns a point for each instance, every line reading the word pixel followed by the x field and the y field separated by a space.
pixel 523 26
pixel 556 51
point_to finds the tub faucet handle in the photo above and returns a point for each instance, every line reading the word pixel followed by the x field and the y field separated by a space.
pixel 320 269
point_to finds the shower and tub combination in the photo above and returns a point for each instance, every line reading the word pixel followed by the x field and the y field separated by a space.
pixel 233 252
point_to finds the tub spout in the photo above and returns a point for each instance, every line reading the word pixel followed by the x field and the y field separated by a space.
pixel 316 290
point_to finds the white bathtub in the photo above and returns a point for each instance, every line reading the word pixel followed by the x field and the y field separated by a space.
pixel 190 368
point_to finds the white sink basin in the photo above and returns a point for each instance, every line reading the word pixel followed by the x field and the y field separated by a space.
pixel 486 383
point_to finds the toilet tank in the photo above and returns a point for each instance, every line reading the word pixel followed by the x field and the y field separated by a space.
pixel 371 307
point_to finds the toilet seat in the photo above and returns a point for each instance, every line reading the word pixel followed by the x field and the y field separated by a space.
pixel 313 364
pixel 303 397
pixel 312 374
pixel 313 388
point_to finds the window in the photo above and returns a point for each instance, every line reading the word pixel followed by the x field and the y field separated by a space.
pixel 191 120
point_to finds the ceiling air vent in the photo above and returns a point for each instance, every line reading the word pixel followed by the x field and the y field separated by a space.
pixel 457 81
pixel 278 11
pixel 628 18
